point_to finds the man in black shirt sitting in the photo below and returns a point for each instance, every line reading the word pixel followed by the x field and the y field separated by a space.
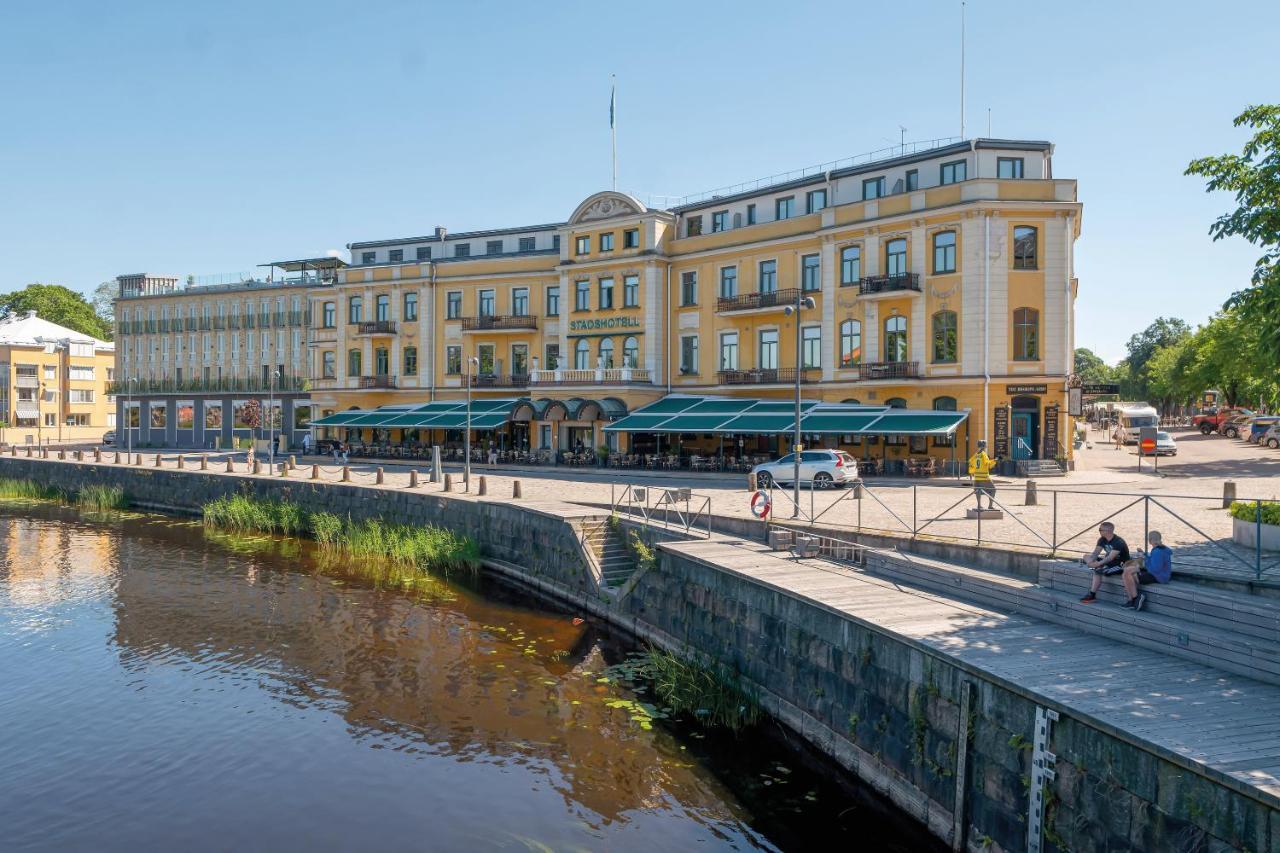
pixel 1107 558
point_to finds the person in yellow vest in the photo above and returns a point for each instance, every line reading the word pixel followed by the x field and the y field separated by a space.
pixel 980 465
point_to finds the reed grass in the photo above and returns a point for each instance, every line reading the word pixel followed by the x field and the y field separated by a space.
pixel 242 514
pixel 29 490
pixel 98 498
pixel 711 694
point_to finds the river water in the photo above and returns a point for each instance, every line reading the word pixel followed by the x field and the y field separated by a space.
pixel 166 688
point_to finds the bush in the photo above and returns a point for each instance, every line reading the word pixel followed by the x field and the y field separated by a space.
pixel 1248 511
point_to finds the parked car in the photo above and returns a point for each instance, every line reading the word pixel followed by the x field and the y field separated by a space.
pixel 1211 420
pixel 1231 426
pixel 1271 438
pixel 820 468
pixel 1165 445
pixel 109 437
pixel 1258 427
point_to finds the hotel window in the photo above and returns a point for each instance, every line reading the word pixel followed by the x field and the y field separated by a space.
pixel 689 355
pixel 424 253
pixel 353 362
pixel 951 173
pixel 553 301
pixel 719 221
pixel 493 247
pixel 606 292
pixel 631 238
pixel 519 359
pixel 810 273
pixel 895 339
pixel 528 244
pixel 784 208
pixel 410 361
pixel 913 180
pixel 1026 334
pixel 462 250
pixel 355 309
pixel 606 242
pixel 815 201
pixel 768 277
pixel 872 188
pixel 368 257
pixel 895 257
pixel 582 245
pixel 1009 167
pixel 488 303
pixel 768 358
pixel 453 360
pixel 850 343
pixel 382 308
pixel 729 351
pixel 485 357
pixel 631 291
pixel 396 256
pixel 850 265
pixel 551 355
pixel 811 346
pixel 328 364
pixel 944 252
pixel 453 305
pixel 728 282
pixel 1024 247
pixel 630 352
pixel 582 355
pixel 582 295
pixel 520 301
pixel 945 343
pixel 410 307
pixel 751 214
pixel 689 288
pixel 693 226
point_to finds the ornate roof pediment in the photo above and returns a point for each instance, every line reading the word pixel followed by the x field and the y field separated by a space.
pixel 606 205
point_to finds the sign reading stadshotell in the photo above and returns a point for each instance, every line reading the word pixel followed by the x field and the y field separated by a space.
pixel 604 323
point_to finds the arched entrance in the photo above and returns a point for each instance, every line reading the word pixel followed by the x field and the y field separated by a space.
pixel 1024 429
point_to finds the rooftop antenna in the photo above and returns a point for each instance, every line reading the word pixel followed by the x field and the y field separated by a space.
pixel 988 122
pixel 962 69
pixel 902 138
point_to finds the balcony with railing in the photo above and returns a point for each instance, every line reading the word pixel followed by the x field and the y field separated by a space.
pixel 881 285
pixel 773 300
pixel 768 376
pixel 598 376
pixel 379 381
pixel 500 323
pixel 376 327
pixel 499 380
pixel 26 381
pixel 871 370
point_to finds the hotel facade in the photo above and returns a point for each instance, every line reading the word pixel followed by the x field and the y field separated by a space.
pixel 940 280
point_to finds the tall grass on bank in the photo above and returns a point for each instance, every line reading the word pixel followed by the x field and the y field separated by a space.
pixel 29 490
pixel 101 498
pixel 711 694
pixel 385 553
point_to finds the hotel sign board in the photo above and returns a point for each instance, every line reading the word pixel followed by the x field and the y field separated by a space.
pixel 604 323
pixel 1026 389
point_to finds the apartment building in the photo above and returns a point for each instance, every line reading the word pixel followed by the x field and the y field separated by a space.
pixel 202 363
pixel 940 280
pixel 54 382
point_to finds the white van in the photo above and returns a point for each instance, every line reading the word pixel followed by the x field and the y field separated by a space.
pixel 1133 418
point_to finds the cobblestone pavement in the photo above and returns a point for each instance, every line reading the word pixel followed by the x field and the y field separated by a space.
pixel 1183 500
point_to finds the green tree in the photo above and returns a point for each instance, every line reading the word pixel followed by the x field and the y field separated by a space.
pixel 1091 368
pixel 57 304
pixel 104 301
pixel 1164 332
pixel 1254 177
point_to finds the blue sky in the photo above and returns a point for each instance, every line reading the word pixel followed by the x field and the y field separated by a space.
pixel 208 138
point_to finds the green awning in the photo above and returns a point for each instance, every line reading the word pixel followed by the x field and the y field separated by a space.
pixel 841 423
pixel 906 422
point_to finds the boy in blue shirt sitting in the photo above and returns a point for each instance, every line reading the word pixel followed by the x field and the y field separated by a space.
pixel 1156 567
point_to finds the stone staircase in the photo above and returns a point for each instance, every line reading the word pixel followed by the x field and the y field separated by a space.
pixel 617 563
pixel 1040 468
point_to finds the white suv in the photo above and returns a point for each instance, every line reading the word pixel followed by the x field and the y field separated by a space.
pixel 820 468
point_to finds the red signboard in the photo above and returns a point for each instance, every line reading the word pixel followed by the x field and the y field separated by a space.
pixel 1148 445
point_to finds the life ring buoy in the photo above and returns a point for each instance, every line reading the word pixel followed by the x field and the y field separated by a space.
pixel 761 503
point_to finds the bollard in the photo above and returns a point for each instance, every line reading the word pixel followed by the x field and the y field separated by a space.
pixel 315 472
pixel 181 458
pixel 378 479
pixel 413 478
pixel 204 463
pixel 293 462
pixel 346 473
pixel 1030 500
pixel 515 490
pixel 137 459
pixel 13 450
pixel 751 482
pixel 1228 494
pixel 484 486
pixel 62 454
pixel 230 467
pixel 448 482
pixel 435 463
pixel 28 451
pixel 859 491
pixel 118 460
pixel 45 452
pixel 79 455
pixel 97 454
pixel 257 467
pixel 157 460
pixel 284 469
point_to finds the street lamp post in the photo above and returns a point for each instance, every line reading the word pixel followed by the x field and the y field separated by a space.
pixel 802 302
pixel 40 417
pixel 466 438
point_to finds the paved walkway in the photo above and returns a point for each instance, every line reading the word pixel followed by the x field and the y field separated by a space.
pixel 1225 723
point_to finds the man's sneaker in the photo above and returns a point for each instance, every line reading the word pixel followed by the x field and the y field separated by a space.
pixel 1131 604
pixel 1140 602
pixel 1090 598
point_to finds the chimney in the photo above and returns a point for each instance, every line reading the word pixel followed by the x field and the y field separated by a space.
pixel 441 232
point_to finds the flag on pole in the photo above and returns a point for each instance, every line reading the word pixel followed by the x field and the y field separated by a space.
pixel 613 92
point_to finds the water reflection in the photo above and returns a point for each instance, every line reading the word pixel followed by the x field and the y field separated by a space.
pixel 219 694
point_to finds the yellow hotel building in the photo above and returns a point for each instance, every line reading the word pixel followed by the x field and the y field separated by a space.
pixel 941 279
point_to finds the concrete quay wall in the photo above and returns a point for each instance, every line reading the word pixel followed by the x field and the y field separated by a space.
pixel 948 743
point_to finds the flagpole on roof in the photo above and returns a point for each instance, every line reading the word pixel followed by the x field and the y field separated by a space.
pixel 613 125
